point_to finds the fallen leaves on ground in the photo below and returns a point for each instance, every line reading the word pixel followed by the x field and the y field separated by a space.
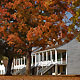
pixel 76 77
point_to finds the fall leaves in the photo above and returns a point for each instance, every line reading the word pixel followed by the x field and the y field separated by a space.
pixel 63 77
pixel 33 22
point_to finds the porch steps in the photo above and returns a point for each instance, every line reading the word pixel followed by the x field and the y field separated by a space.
pixel 21 71
pixel 45 69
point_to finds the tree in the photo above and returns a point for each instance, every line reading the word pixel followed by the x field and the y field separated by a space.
pixel 4 52
pixel 76 17
pixel 7 52
pixel 33 23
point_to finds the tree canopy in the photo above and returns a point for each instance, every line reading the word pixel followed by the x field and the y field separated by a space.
pixel 29 23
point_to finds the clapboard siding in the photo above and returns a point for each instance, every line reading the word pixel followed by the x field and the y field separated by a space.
pixel 73 50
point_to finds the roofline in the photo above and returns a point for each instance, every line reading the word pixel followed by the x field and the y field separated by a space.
pixel 48 50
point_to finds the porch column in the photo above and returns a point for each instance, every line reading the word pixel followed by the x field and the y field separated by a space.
pixel 46 56
pixel 55 55
pixel 56 66
pixel 21 61
pixel 37 71
pixel 61 58
pixel 35 59
pixel 56 69
pixel 50 55
pixel 12 65
pixel 32 60
pixel 42 56
pixel 66 61
pixel 24 60
pixel 39 57
pixel 66 57
pixel 14 61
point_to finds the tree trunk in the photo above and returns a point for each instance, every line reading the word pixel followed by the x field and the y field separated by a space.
pixel 28 63
pixel 8 72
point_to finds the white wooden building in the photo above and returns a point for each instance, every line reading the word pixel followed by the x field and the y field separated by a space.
pixel 47 59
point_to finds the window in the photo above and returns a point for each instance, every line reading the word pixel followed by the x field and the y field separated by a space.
pixel 59 56
pixel 53 55
pixel 48 55
pixel 44 56
pixel 41 56
pixel 64 55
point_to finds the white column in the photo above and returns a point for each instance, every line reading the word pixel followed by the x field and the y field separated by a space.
pixel 37 71
pixel 32 60
pixel 56 66
pixel 50 55
pixel 19 61
pixel 55 55
pixel 35 59
pixel 66 57
pixel 46 56
pixel 42 56
pixel 61 58
pixel 66 70
pixel 56 69
pixel 39 57
pixel 12 66
pixel 24 60
pixel 66 61
pixel 14 61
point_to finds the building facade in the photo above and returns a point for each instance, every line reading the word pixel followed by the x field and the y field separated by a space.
pixel 73 57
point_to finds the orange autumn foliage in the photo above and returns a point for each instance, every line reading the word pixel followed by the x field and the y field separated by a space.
pixel 32 23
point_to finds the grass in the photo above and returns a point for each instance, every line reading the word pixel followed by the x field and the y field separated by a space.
pixel 69 77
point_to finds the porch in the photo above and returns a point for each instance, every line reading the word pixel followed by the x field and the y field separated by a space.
pixel 48 57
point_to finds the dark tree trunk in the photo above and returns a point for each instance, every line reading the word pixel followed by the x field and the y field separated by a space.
pixel 28 63
pixel 8 72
